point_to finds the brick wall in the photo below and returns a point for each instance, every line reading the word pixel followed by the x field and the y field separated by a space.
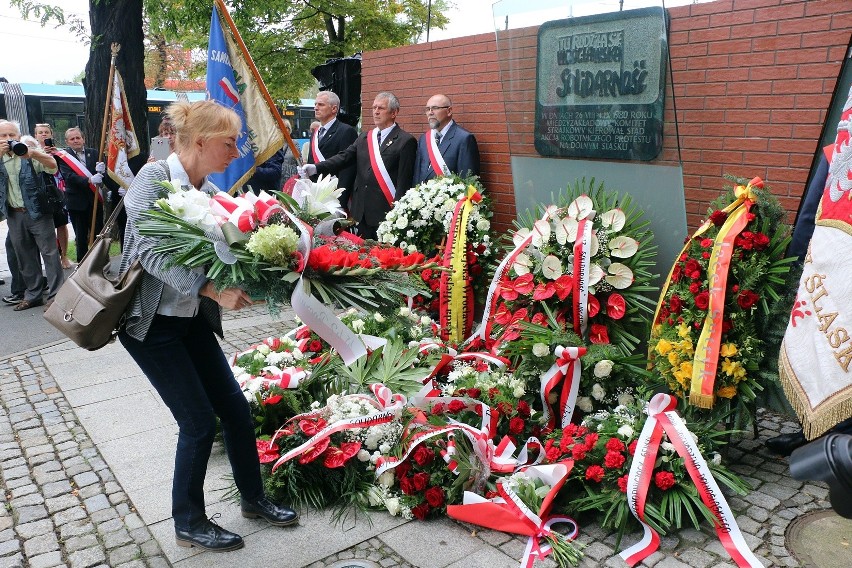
pixel 752 83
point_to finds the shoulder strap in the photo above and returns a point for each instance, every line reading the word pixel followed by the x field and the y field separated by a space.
pixel 120 205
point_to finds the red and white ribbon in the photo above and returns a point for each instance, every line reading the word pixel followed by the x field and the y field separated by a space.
pixel 663 418
pixel 79 169
pixel 236 210
pixel 582 265
pixel 435 156
pixel 564 373
pixel 318 157
pixel 379 169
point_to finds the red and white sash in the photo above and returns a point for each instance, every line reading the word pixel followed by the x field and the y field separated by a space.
pixel 379 169
pixel 435 157
pixel 79 169
pixel 318 157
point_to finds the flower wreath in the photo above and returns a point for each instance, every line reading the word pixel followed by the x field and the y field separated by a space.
pixel 540 276
pixel 749 301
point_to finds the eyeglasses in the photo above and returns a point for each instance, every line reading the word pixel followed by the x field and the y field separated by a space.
pixel 435 108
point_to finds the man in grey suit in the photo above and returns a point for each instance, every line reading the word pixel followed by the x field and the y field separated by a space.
pixel 446 147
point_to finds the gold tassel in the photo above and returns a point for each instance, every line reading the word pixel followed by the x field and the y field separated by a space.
pixel 701 400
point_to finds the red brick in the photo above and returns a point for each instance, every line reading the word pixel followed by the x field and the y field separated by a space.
pixel 746 144
pixel 775 43
pixel 739 74
pixel 812 101
pixel 802 56
pixel 705 89
pixel 752 4
pixel 731 18
pixel 770 101
pixel 713 34
pixel 804 25
pixel 758 129
pixel 730 46
pixel 752 59
pixel 773 72
pixel 800 86
pixel 818 7
pixel 779 13
pixel 690 24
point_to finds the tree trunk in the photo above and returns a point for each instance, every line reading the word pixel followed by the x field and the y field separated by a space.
pixel 116 21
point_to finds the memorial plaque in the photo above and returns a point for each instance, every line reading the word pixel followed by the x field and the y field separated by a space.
pixel 600 86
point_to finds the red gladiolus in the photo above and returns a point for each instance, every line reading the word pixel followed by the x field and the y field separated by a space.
pixel 598 334
pixel 614 460
pixel 457 406
pixel 423 455
pixel 420 480
pixel 595 473
pixel 616 306
pixel 516 425
pixel 747 299
pixel 313 453
pixel 702 300
pixel 435 496
pixel 665 480
pixel 265 453
pixel 622 483
pixel 421 511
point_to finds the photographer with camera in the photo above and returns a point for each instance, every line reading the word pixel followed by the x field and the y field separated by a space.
pixel 30 229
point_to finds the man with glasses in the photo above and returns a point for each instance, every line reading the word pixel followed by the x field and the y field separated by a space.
pixel 446 147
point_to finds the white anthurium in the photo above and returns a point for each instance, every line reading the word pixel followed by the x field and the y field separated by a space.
pixel 522 264
pixel 566 230
pixel 551 267
pixel 614 219
pixel 520 236
pixel 620 276
pixel 581 207
pixel 541 233
pixel 623 247
pixel 596 244
pixel 552 212
pixel 595 274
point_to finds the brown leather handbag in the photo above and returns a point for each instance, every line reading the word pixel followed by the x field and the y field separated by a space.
pixel 89 307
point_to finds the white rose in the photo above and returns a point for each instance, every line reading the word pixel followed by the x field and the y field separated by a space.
pixel 388 238
pixel 625 431
pixel 402 222
pixel 603 368
pixel 584 403
pixel 392 505
pixel 387 479
pixel 626 399
pixel 540 350
pixel 378 317
pixel 425 320
pixel 263 348
pixel 598 392
pixel 357 325
pixel 483 225
pixel 315 404
pixel 717 458
pixel 519 391
pixel 363 455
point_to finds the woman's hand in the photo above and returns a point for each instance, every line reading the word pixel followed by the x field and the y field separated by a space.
pixel 230 298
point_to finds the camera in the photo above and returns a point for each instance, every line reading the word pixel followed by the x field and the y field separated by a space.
pixel 828 459
pixel 18 148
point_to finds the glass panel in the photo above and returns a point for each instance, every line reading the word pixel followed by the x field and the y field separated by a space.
pixel 585 87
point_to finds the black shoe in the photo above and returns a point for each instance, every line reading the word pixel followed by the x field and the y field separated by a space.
pixel 275 514
pixel 209 536
pixel 2 282
pixel 784 444
pixel 13 299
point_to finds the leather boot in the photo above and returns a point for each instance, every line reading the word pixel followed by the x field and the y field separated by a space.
pixel 784 444
pixel 208 536
pixel 277 515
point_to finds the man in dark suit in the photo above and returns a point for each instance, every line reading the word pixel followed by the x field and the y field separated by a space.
pixel 446 145
pixel 393 152
pixel 332 137
pixel 78 192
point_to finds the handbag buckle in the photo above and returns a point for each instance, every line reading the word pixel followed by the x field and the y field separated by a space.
pixel 68 316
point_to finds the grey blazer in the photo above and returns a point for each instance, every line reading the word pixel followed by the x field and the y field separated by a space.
pixel 143 306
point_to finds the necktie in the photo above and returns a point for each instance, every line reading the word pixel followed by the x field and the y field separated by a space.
pixel 379 137
pixel 437 138
pixel 321 132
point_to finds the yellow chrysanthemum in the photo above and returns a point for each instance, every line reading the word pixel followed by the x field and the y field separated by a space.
pixel 683 331
pixel 674 358
pixel 686 368
pixel 686 346
pixel 728 350
pixel 663 347
pixel 727 392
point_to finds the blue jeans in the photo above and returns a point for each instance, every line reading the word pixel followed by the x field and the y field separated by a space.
pixel 183 361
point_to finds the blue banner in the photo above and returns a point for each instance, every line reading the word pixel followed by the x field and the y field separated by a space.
pixel 226 87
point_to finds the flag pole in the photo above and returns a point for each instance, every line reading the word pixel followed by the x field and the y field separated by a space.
pixel 115 47
pixel 223 11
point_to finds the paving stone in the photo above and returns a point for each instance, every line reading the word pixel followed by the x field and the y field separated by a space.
pixel 14 561
pixel 81 542
pixel 40 545
pixel 697 558
pixel 56 488
pixel 48 560
pixel 763 500
pixel 117 538
pixel 27 500
pixel 90 491
pixel 60 503
pixel 76 528
pixel 86 558
pixel 68 515
pixel 86 478
pixel 32 513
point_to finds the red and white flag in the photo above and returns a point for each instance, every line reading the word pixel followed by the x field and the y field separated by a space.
pixel 122 143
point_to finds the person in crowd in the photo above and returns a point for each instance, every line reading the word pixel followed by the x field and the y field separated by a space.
pixel 172 323
pixel 446 147
pixel 374 190
pixel 31 231
pixel 165 130
pixel 80 187
pixel 268 175
pixel 331 137
pixel 289 163
pixel 306 147
pixel 60 216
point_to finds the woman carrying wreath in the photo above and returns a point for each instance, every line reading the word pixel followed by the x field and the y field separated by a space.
pixel 171 325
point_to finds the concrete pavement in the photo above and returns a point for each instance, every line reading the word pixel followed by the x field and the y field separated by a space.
pixel 86 450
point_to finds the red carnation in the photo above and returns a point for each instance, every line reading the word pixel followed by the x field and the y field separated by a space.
pixel 718 218
pixel 614 460
pixel 421 511
pixel 435 496
pixel 516 425
pixel 614 445
pixel 423 455
pixel 552 451
pixel 761 241
pixel 622 483
pixel 578 452
pixel 665 480
pixel 457 406
pixel 632 448
pixel 420 480
pixel 595 473
pixel 747 299
pixel 702 300
pixel 590 440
